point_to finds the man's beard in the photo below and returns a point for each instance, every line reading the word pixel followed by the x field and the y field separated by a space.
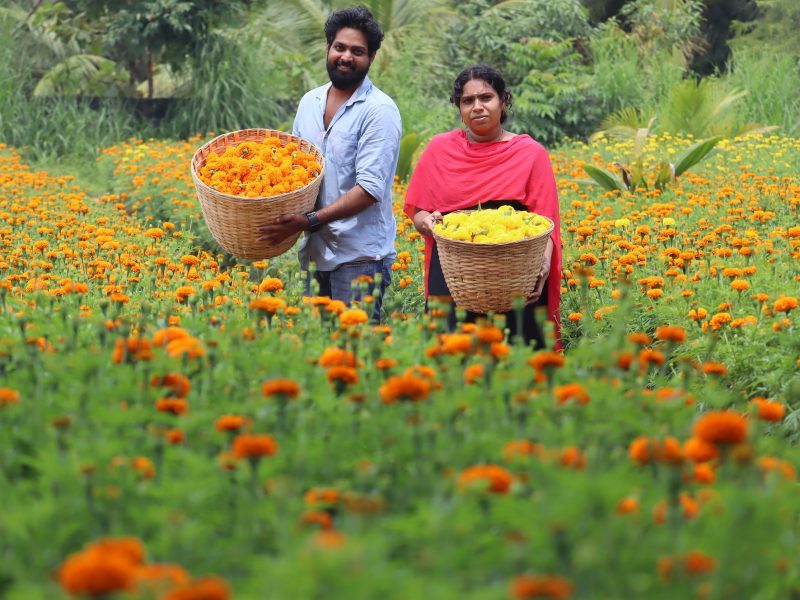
pixel 345 80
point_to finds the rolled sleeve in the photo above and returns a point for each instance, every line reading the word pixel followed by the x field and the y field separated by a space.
pixel 378 151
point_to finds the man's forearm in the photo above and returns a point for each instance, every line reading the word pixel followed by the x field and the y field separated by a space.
pixel 350 203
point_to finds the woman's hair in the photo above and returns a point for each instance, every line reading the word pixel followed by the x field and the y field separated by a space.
pixel 491 76
pixel 355 17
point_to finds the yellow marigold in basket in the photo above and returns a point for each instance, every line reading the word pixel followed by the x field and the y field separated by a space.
pixel 259 169
pixel 492 226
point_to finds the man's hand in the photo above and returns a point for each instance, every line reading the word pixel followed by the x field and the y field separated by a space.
pixel 283 227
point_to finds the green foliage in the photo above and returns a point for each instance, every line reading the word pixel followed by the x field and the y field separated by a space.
pixel 80 74
pixel 487 31
pixel 43 128
pixel 554 96
pixel 408 145
pixel 231 88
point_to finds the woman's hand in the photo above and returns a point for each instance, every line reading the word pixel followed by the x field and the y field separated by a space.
pixel 544 273
pixel 425 221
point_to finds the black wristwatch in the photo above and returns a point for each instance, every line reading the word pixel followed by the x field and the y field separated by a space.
pixel 313 222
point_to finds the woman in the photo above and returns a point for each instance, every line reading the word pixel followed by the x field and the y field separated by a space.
pixel 487 165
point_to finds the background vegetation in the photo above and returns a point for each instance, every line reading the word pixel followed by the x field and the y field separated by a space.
pixel 78 75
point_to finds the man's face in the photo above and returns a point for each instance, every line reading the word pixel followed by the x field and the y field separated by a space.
pixel 348 59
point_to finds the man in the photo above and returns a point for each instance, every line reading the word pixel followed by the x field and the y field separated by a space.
pixel 357 127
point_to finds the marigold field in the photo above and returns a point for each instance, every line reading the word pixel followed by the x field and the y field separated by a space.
pixel 178 425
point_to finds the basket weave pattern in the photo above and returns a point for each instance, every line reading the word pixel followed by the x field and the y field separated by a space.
pixel 233 220
pixel 487 277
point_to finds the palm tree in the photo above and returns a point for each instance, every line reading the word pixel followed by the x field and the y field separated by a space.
pixel 297 27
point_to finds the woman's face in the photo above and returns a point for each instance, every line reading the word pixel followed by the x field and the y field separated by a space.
pixel 480 107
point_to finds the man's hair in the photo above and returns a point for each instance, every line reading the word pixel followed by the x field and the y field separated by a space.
pixel 491 76
pixel 355 17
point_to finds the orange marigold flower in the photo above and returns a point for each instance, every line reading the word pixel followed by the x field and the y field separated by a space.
pixel 317 517
pixel 785 304
pixel 769 410
pixel 344 375
pixel 384 364
pixel 699 450
pixel 144 467
pixel 132 349
pixel 180 384
pixel 247 445
pixel 521 448
pixel 571 456
pixel 671 333
pixel 329 539
pixel 571 391
pixel 353 317
pixel 721 427
pixel 703 473
pixel 649 357
pixel 175 436
pixel 288 388
pixel 627 505
pixel 206 588
pixel 176 406
pixel 489 478
pixel 719 319
pixel 8 396
pixel 714 368
pixel 168 334
pixel 326 496
pixel 697 563
pixel 230 423
pixel 336 357
pixel 271 284
pixel 772 464
pixel 269 305
pixel 156 578
pixel 406 387
pixel 546 360
pixel 489 334
pixel 540 586
pixel 473 373
pixel 189 346
pixel 457 343
pixel 96 574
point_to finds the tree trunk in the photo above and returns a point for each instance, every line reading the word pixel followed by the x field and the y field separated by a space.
pixel 149 74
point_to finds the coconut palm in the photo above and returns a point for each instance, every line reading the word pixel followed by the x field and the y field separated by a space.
pixel 297 27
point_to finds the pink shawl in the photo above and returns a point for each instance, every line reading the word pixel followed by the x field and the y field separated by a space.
pixel 453 174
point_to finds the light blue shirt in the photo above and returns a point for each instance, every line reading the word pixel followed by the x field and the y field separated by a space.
pixel 361 146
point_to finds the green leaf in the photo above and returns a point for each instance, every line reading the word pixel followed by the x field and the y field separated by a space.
pixel 606 179
pixel 694 154
pixel 408 145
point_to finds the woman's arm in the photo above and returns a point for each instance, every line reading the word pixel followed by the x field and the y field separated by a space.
pixel 424 221
pixel 544 273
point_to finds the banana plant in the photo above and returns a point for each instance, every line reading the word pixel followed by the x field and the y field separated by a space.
pixel 632 176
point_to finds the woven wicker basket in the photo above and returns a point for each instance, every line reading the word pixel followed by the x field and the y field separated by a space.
pixel 487 277
pixel 233 220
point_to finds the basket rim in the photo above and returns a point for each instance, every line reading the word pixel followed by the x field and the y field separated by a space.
pixel 222 196
pixel 438 237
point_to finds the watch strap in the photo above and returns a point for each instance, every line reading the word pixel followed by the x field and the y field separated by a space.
pixel 314 224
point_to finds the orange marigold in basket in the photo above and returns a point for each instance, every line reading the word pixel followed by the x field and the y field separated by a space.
pixel 721 427
pixel 254 169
